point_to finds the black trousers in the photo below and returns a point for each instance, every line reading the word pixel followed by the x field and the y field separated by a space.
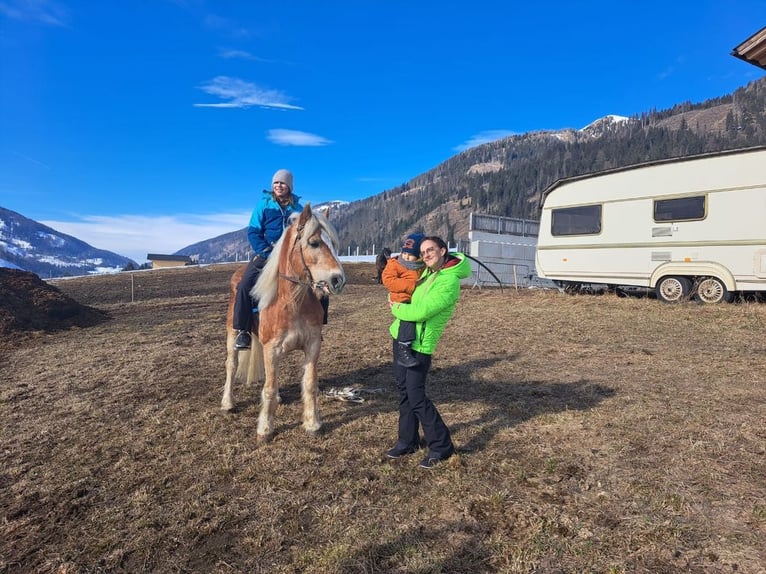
pixel 244 304
pixel 416 410
pixel 406 332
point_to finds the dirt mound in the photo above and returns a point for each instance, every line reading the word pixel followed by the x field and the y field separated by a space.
pixel 27 303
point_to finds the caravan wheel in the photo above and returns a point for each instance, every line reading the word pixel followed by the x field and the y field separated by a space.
pixel 673 289
pixel 712 290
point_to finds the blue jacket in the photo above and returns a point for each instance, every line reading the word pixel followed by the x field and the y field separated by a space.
pixel 268 221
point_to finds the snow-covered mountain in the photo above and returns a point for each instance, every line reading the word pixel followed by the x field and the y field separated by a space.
pixel 31 246
pixel 602 125
pixel 332 205
pixel 233 246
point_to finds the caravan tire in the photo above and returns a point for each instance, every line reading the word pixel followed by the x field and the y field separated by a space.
pixel 673 289
pixel 712 290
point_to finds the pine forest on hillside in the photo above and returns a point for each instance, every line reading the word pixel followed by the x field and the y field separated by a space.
pixel 507 177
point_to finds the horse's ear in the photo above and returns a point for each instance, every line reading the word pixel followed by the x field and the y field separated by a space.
pixel 325 211
pixel 305 214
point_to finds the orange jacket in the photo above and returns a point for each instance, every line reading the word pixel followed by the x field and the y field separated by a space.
pixel 399 280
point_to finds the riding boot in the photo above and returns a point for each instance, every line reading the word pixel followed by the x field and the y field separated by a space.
pixel 243 340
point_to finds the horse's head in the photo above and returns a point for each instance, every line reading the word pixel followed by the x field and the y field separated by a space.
pixel 306 255
pixel 315 252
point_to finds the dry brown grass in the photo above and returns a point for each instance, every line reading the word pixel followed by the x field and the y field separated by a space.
pixel 597 434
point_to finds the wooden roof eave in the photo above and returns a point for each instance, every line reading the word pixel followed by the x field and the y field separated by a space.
pixel 753 50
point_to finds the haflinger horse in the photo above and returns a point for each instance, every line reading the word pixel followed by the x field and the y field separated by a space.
pixel 302 267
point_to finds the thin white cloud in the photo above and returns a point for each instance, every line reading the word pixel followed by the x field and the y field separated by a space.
pixel 238 93
pixel 296 138
pixel 42 11
pixel 484 137
pixel 229 54
pixel 671 70
pixel 31 160
pixel 666 73
pixel 135 236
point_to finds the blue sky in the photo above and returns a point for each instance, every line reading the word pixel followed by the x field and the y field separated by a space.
pixel 143 126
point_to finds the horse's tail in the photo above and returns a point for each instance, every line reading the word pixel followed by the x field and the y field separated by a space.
pixel 252 368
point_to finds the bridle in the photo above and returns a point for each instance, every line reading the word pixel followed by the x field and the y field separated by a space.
pixel 311 284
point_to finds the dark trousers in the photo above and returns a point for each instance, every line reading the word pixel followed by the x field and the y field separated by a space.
pixel 243 303
pixel 416 410
pixel 406 332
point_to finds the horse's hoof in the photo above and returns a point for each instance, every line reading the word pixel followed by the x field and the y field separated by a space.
pixel 227 407
pixel 264 438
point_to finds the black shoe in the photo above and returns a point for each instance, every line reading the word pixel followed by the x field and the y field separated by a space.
pixel 405 357
pixel 428 463
pixel 398 452
pixel 243 340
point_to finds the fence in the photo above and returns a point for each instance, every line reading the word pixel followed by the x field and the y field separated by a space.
pixel 509 274
pixel 504 225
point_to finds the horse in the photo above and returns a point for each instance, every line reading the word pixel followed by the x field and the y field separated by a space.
pixel 303 266
pixel 380 263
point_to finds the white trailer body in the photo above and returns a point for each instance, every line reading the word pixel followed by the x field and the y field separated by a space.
pixel 687 227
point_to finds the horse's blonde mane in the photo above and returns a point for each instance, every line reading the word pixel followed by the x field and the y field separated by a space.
pixel 265 289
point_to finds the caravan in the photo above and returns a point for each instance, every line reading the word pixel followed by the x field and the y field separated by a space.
pixel 692 227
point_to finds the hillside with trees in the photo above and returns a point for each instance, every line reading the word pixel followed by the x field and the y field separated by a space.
pixel 507 177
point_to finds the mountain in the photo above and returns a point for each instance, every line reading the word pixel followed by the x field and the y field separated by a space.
pixel 507 176
pixel 31 246
pixel 233 246
pixel 504 177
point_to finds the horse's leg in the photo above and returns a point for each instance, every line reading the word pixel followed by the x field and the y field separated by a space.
pixel 255 370
pixel 255 366
pixel 269 394
pixel 232 364
pixel 309 388
pixel 232 355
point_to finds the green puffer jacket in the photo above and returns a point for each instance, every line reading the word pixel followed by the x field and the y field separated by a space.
pixel 433 303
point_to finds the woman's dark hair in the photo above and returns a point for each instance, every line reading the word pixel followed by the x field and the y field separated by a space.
pixel 438 240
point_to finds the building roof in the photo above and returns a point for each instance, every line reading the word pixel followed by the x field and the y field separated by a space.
pixel 159 257
pixel 753 50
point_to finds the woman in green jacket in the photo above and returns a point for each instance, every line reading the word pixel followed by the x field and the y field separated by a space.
pixel 432 304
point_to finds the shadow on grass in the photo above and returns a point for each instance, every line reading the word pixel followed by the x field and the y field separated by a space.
pixel 505 403
pixel 467 552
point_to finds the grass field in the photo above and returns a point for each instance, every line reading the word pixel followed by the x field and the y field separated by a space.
pixel 595 434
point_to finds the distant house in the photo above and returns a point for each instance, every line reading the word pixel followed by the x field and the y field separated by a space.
pixel 161 261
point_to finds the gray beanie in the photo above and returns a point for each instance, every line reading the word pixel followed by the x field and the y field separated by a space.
pixel 284 176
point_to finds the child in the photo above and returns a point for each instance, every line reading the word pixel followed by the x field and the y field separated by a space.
pixel 399 277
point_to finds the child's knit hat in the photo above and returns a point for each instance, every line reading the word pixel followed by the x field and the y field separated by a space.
pixel 411 244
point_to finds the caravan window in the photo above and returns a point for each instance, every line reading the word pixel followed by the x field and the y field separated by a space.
pixel 583 220
pixel 683 208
